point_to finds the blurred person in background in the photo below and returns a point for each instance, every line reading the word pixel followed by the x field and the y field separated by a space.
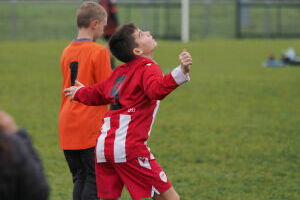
pixel 112 22
pixel 21 171
pixel 289 57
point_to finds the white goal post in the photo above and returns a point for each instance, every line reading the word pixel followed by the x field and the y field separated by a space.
pixel 185 32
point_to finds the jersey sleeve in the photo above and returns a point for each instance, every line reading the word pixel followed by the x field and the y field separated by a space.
pixel 93 95
pixel 155 85
pixel 102 68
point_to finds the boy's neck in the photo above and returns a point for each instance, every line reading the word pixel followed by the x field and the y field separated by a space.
pixel 150 57
pixel 85 34
pixel 147 56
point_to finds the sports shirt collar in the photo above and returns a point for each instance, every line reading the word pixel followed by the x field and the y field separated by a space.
pixel 82 40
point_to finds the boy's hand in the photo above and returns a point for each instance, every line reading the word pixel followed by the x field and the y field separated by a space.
pixel 185 61
pixel 7 123
pixel 72 90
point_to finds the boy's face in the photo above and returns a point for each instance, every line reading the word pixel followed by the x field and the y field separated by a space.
pixel 146 44
pixel 98 28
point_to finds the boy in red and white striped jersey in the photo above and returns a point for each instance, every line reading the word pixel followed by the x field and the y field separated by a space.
pixel 133 91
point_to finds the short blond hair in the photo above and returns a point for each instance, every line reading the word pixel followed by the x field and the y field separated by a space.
pixel 89 11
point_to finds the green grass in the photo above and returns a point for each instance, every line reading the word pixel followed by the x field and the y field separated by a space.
pixel 231 133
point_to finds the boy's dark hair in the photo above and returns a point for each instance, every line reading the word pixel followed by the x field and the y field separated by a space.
pixel 122 43
pixel 89 11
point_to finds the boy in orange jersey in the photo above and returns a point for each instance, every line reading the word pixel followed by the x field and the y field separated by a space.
pixel 79 124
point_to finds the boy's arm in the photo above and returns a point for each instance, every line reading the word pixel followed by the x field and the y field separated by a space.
pixel 91 96
pixel 157 86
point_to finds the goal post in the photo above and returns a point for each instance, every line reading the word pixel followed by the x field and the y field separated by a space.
pixel 185 9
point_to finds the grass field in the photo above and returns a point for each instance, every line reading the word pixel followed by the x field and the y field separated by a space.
pixel 231 133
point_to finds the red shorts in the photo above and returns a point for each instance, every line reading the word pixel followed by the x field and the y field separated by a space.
pixel 141 176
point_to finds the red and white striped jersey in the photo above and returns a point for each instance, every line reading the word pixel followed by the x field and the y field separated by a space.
pixel 133 91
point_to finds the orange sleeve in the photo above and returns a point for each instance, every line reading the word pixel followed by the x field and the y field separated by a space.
pixel 102 68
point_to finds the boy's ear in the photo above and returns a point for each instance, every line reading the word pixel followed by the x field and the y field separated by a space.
pixel 137 51
pixel 94 23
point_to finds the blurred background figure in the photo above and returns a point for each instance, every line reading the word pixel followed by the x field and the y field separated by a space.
pixel 289 57
pixel 271 62
pixel 112 22
pixel 21 174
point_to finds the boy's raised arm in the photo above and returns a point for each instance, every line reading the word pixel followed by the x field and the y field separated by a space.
pixel 157 86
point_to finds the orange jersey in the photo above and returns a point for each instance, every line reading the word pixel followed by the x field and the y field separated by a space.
pixel 79 124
